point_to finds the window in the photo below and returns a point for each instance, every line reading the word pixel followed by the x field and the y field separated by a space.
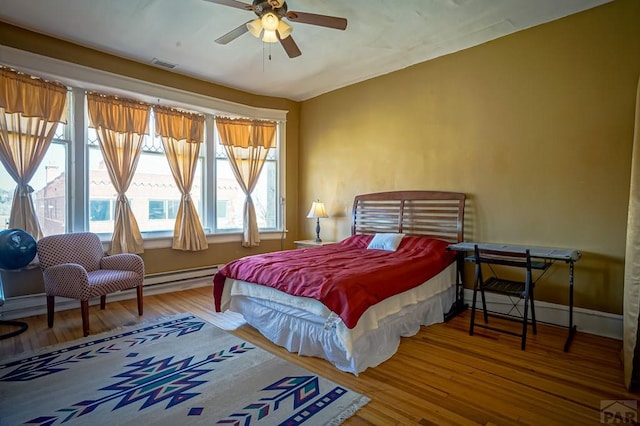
pixel 100 210
pixel 5 199
pixel 150 189
pixel 72 188
pixel 163 209
pixel 230 193
pixel 172 208
pixel 157 210
pixel 49 184
pixel 221 208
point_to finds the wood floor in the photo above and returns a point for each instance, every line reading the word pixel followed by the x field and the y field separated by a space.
pixel 440 376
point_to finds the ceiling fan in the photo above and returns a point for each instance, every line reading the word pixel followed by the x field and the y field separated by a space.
pixel 270 23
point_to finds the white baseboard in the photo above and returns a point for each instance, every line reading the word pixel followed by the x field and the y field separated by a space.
pixel 36 304
pixel 586 320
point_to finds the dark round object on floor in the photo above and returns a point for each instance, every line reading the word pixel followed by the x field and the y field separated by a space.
pixel 17 248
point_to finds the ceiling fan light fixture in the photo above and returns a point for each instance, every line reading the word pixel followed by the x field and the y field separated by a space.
pixel 284 30
pixel 269 36
pixel 269 25
pixel 270 21
pixel 255 27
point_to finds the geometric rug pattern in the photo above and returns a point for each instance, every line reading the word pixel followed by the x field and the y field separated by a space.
pixel 174 371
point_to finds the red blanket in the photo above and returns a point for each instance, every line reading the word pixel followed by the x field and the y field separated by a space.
pixel 346 277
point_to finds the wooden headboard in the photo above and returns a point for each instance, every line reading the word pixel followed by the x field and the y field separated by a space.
pixel 435 214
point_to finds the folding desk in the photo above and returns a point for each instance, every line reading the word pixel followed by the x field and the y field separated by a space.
pixel 546 254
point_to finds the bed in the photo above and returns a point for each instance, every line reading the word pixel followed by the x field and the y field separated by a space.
pixel 347 302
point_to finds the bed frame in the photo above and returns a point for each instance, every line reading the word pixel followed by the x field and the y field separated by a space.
pixel 435 214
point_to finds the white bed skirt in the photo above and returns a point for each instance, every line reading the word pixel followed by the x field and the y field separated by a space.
pixel 312 335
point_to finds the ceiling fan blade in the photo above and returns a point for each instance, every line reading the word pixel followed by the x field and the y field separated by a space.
pixel 233 34
pixel 290 46
pixel 314 19
pixel 233 3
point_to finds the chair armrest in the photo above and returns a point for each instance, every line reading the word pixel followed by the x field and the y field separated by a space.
pixel 123 262
pixel 66 280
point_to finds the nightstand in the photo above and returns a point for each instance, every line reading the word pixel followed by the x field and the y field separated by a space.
pixel 311 243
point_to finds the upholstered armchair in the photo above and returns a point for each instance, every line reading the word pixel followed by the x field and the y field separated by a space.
pixel 75 266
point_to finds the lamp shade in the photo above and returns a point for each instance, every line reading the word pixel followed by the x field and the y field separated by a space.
pixel 317 210
pixel 270 21
pixel 255 27
pixel 284 29
pixel 269 36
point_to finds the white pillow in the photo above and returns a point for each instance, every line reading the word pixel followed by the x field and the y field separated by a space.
pixel 388 242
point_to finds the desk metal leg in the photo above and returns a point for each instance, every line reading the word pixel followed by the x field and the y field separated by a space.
pixel 572 328
pixel 458 306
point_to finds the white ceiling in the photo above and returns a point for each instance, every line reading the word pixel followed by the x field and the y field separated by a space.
pixel 381 36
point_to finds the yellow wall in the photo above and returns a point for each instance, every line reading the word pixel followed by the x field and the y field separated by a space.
pixel 162 260
pixel 535 127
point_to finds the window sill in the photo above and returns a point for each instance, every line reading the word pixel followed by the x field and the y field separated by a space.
pixel 165 241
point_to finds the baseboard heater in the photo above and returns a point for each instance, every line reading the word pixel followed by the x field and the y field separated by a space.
pixel 158 283
pixel 181 275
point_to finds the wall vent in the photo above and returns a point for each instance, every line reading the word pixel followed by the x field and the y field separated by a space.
pixel 163 64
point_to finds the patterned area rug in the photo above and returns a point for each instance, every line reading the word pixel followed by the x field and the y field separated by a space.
pixel 177 371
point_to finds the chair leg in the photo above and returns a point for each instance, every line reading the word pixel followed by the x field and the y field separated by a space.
pixel 473 314
pixel 50 309
pixel 533 314
pixel 525 323
pixel 480 284
pixel 103 301
pixel 484 305
pixel 473 308
pixel 139 293
pixel 84 307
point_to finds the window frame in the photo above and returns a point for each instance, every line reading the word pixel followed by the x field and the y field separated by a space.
pixel 80 79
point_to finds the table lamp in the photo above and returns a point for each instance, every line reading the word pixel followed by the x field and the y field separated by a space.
pixel 317 211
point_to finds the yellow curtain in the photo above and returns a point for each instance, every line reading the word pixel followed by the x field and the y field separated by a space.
pixel 30 110
pixel 121 126
pixel 182 134
pixel 631 302
pixel 247 143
